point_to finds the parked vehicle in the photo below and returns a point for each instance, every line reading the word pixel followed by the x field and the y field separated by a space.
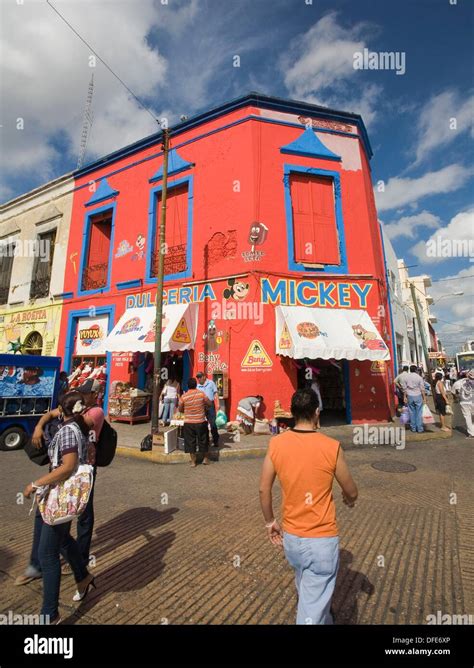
pixel 28 389
pixel 464 361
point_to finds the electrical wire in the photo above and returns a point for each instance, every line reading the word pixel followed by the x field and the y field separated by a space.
pixel 154 116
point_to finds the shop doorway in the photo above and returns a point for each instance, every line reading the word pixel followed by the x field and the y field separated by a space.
pixel 331 378
pixel 176 363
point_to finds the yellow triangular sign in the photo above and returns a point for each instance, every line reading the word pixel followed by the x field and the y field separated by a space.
pixel 285 339
pixel 256 356
pixel 181 334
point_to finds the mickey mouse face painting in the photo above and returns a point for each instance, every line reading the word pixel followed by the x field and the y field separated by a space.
pixel 237 290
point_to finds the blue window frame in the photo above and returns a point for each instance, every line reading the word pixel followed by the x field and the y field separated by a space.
pixel 73 318
pixel 297 266
pixel 85 248
pixel 153 226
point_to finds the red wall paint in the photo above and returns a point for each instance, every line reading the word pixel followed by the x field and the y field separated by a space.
pixel 238 179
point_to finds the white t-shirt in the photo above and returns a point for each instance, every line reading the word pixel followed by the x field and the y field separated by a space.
pixel 465 389
pixel 170 390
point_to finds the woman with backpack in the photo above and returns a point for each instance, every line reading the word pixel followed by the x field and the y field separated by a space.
pixel 66 451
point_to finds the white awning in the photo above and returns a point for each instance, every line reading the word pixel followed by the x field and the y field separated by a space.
pixel 135 331
pixel 319 333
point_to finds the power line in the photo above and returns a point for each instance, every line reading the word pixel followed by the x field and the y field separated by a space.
pixel 103 62
pixel 460 278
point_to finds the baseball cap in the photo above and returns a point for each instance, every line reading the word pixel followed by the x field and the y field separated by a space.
pixel 90 385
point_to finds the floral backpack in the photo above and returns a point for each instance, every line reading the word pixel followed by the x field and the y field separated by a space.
pixel 66 500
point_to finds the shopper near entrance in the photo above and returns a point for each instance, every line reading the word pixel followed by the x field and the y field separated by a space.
pixel 210 390
pixel 169 396
pixel 306 463
pixel 415 396
pixel 463 389
pixel 70 446
pixel 441 400
pixel 194 404
pixel 247 412
pixel 399 386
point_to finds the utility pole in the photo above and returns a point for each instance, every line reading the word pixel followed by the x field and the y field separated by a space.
pixel 422 336
pixel 161 249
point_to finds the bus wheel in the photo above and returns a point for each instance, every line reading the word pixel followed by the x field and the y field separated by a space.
pixel 12 439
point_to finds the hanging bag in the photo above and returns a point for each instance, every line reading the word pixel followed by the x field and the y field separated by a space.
pixel 427 415
pixel 405 415
pixel 66 500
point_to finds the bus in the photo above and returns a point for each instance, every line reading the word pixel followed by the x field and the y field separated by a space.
pixel 465 361
pixel 28 389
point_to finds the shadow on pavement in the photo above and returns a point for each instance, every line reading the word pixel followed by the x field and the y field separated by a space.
pixel 136 570
pixel 349 584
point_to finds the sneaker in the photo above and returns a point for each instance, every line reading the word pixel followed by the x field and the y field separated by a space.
pixel 66 569
pixel 31 573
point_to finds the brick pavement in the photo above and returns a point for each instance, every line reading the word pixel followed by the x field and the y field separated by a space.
pixel 203 557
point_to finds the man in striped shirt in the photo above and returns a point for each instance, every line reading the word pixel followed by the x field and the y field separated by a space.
pixel 194 403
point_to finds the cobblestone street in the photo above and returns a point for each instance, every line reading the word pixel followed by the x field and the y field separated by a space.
pixel 180 546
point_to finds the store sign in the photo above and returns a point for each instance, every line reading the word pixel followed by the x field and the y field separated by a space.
pixel 91 333
pixel 291 292
pixel 377 367
pixel 29 316
pixel 213 362
pixel 182 295
pixel 256 358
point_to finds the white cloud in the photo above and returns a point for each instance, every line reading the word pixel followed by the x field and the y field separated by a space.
pixel 402 191
pixel 45 75
pixel 407 226
pixel 435 122
pixel 441 245
pixel 455 313
pixel 319 68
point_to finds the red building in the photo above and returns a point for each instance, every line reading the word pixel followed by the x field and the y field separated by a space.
pixel 273 254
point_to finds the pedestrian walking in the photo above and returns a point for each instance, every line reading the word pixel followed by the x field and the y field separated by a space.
pixel 94 419
pixel 210 390
pixel 415 396
pixel 306 463
pixel 195 431
pixel 463 389
pixel 441 400
pixel 67 449
pixel 169 396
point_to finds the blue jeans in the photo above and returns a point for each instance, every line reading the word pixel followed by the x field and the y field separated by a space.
pixel 415 409
pixel 211 420
pixel 315 561
pixel 52 539
pixel 168 409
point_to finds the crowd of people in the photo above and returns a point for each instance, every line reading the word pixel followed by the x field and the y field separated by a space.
pixel 412 386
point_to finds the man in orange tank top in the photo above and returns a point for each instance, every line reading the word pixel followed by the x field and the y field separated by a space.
pixel 306 463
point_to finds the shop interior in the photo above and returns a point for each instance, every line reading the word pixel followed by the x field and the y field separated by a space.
pixel 329 375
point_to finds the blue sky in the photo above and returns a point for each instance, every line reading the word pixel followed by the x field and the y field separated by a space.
pixel 178 58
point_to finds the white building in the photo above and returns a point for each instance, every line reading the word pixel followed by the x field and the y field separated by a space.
pixel 34 234
pixel 401 317
pixel 421 284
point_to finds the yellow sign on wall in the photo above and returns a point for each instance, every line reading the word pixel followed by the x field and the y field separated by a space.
pixel 28 330
pixel 256 357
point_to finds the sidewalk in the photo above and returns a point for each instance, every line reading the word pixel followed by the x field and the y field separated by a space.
pixel 255 445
